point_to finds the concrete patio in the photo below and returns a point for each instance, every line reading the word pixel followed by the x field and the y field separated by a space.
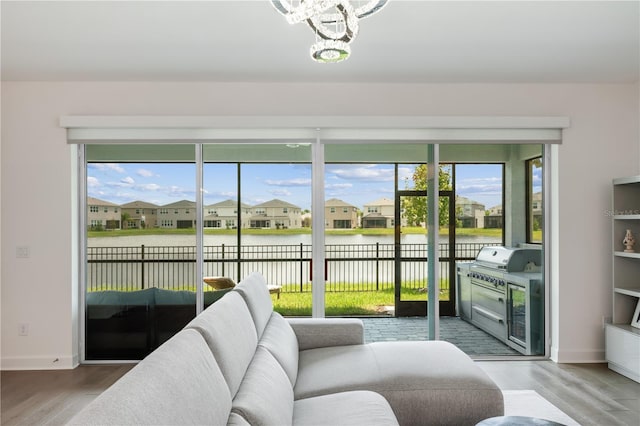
pixel 467 337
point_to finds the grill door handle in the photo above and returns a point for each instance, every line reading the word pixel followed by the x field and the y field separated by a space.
pixel 488 314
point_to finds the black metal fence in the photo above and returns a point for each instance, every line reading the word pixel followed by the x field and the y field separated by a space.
pixel 353 267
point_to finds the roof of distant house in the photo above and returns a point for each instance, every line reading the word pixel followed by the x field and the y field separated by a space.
pixel 276 203
pixel 335 202
pixel 98 202
pixel 227 203
pixel 381 202
pixel 139 205
pixel 182 204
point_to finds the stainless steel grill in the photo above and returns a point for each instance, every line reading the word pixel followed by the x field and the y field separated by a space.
pixel 502 293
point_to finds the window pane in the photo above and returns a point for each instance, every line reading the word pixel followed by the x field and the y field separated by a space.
pixel 268 227
pixel 276 239
pixel 479 206
pixel 141 257
pixel 223 215
pixel 359 226
pixel 534 200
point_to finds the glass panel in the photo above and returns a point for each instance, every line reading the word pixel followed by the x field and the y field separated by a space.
pixel 268 227
pixel 378 153
pixel 359 225
pixel 141 254
pixel 257 153
pixel 222 217
pixel 276 237
pixel 413 248
pixel 117 153
pixel 534 202
pixel 479 207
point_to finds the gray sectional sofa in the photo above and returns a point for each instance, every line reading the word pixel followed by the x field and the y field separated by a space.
pixel 241 363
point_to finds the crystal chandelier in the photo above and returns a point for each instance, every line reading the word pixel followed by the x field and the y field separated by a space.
pixel 334 22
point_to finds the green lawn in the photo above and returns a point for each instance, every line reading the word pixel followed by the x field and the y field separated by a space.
pixel 369 231
pixel 341 303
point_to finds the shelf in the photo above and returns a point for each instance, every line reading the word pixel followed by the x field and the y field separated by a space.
pixel 628 291
pixel 625 254
pixel 627 216
pixel 622 341
pixel 627 328
pixel 626 180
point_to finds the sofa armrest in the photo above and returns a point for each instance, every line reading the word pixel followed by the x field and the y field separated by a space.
pixel 325 332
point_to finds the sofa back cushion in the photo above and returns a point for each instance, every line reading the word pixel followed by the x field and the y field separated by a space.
pixel 228 329
pixel 281 341
pixel 179 383
pixel 256 294
pixel 265 396
pixel 172 297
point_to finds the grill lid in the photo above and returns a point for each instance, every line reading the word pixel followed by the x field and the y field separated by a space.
pixel 509 259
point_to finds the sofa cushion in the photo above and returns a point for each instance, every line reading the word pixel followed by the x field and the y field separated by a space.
pixel 320 332
pixel 256 294
pixel 265 396
pixel 171 297
pixel 355 408
pixel 279 339
pixel 213 296
pixel 229 331
pixel 237 420
pixel 129 298
pixel 433 380
pixel 179 383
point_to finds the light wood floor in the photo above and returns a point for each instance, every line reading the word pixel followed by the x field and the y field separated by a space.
pixel 589 393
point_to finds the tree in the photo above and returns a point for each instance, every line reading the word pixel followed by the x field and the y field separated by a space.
pixel 414 209
pixel 124 217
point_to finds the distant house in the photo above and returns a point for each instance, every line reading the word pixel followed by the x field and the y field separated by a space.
pixel 536 210
pixel 102 214
pixel 140 215
pixel 470 213
pixel 379 214
pixel 494 217
pixel 340 215
pixel 276 214
pixel 225 215
pixel 306 219
pixel 178 215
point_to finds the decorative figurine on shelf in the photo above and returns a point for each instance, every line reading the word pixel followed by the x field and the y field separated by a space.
pixel 629 241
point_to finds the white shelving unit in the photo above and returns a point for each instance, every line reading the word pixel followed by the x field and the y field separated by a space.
pixel 623 340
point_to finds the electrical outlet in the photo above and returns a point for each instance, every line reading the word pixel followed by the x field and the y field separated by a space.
pixel 22 252
pixel 23 329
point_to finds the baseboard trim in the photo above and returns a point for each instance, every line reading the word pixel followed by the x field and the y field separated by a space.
pixel 577 357
pixel 39 363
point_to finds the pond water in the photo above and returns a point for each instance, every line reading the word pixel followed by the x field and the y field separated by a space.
pixel 217 240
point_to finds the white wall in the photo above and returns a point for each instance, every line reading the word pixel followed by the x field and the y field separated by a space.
pixel 38 178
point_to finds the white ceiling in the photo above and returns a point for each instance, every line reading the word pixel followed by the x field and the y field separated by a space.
pixel 249 41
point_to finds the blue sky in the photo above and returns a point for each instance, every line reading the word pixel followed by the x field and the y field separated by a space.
pixel 356 184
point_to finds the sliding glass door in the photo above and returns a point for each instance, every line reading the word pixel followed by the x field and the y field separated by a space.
pixel 167 224
pixel 140 283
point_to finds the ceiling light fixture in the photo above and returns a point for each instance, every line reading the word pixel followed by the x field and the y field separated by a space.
pixel 334 22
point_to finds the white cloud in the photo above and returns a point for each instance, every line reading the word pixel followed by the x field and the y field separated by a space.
pixel 128 180
pixel 405 173
pixel 92 182
pixel 179 192
pixel 288 182
pixel 280 193
pixel 107 167
pixel 339 186
pixel 149 187
pixel 145 173
pixel 488 185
